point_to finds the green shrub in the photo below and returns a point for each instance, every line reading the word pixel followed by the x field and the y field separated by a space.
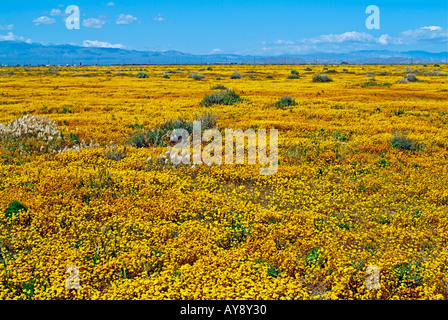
pixel 236 75
pixel 269 76
pixel 15 208
pixel 138 140
pixel 411 77
pixel 208 120
pixel 308 69
pixel 196 76
pixel 294 72
pixel 219 87
pixel 142 75
pixel 166 76
pixel 321 78
pixel 161 135
pixel 285 101
pixel 227 97
pixel 120 74
pixel 402 142
pixel 372 83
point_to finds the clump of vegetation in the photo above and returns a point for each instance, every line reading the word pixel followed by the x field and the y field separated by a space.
pixel 116 153
pixel 438 73
pixel 408 274
pixel 166 76
pixel 321 78
pixel 14 208
pixel 120 74
pixel 219 87
pixel 411 77
pixel 308 69
pixel 269 76
pixel 31 135
pixel 161 135
pixel 142 75
pixel 285 101
pixel 373 83
pixel 226 97
pixel 314 258
pixel 401 141
pixel 236 75
pixel 196 76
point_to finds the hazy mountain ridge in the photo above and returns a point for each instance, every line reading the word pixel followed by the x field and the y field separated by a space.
pixel 21 53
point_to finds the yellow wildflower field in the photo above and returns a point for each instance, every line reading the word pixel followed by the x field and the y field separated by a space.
pixel 361 182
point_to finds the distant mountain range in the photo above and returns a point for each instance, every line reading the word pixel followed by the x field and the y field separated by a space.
pixel 21 53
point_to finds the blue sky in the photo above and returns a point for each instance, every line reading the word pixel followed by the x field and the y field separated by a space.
pixel 242 27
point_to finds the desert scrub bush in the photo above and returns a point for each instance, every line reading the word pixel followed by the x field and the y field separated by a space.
pixel 142 75
pixel 438 73
pixel 120 74
pixel 196 76
pixel 295 72
pixel 208 120
pixel 322 78
pixel 285 101
pixel 226 97
pixel 236 75
pixel 166 76
pixel 219 87
pixel 161 135
pixel 308 69
pixel 411 77
pixel 401 141
pixel 294 75
pixel 269 76
pixel 373 83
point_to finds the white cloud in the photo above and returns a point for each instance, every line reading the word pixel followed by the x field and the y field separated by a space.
pixel 352 36
pixel 125 19
pixel 385 39
pixel 353 40
pixel 110 4
pixel 215 51
pixel 12 37
pixel 95 23
pixel 55 12
pixel 101 44
pixel 159 18
pixel 432 28
pixel 43 20
pixel 7 27
pixel 431 33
